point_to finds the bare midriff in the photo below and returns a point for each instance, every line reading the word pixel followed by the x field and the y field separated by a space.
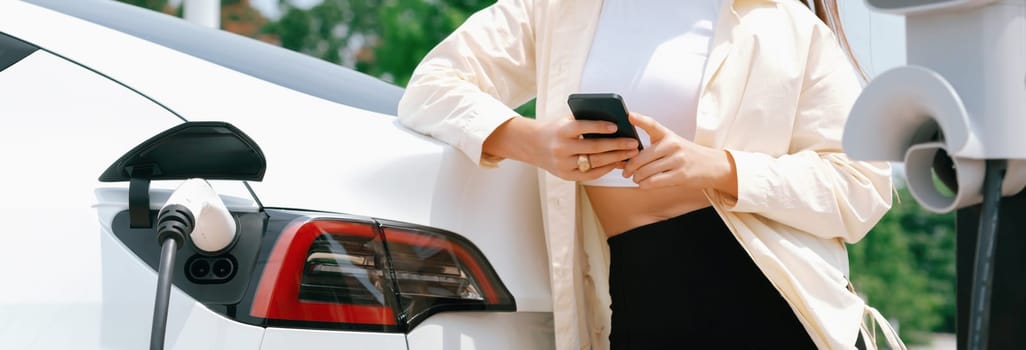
pixel 620 209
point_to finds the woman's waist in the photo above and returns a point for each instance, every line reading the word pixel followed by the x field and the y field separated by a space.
pixel 623 208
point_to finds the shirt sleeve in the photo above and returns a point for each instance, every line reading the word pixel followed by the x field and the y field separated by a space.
pixel 816 188
pixel 461 91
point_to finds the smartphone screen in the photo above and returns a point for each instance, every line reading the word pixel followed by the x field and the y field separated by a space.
pixel 606 107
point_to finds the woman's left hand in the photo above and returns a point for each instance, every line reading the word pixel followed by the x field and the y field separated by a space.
pixel 672 160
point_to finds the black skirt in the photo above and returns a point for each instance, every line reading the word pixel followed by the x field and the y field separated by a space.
pixel 687 283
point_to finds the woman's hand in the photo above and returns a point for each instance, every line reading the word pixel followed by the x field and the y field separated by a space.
pixel 560 144
pixel 556 144
pixel 672 160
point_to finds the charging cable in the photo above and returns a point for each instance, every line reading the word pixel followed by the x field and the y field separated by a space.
pixel 171 233
pixel 983 271
pixel 195 211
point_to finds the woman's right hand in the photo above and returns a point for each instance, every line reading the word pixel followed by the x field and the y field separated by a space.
pixel 556 144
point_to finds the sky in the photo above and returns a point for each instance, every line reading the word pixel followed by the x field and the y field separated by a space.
pixel 878 39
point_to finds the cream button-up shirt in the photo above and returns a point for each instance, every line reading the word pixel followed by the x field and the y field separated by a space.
pixel 776 92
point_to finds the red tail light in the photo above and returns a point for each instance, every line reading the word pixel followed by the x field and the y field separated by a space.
pixel 368 275
pixel 294 261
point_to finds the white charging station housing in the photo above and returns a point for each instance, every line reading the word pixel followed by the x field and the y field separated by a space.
pixel 906 7
pixel 964 93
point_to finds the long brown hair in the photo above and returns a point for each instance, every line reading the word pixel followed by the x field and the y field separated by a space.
pixel 826 10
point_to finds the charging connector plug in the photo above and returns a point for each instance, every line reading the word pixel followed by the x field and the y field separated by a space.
pixel 195 211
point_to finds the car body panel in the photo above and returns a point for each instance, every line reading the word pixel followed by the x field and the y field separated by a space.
pixel 408 178
pixel 53 184
pixel 484 331
pixel 97 93
pixel 291 339
pixel 74 278
pixel 318 155
pixel 266 62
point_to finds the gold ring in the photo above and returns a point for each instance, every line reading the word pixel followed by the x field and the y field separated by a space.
pixel 583 163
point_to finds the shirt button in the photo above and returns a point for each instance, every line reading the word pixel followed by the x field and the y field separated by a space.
pixel 560 202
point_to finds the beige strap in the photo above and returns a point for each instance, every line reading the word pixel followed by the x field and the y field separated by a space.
pixel 869 335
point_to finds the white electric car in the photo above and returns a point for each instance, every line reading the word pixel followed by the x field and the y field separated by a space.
pixel 359 235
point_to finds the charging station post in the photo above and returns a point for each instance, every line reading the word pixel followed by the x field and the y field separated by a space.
pixel 956 113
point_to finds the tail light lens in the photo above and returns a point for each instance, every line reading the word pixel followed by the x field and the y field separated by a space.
pixel 362 274
pixel 437 271
pixel 326 271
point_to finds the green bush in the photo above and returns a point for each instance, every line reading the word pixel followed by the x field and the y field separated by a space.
pixel 905 268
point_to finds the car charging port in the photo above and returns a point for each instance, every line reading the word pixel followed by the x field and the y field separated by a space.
pixel 223 268
pixel 198 269
pixel 202 269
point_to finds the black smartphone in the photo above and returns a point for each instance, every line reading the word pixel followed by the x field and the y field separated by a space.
pixel 606 107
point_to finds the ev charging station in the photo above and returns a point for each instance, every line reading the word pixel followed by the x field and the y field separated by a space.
pixel 956 116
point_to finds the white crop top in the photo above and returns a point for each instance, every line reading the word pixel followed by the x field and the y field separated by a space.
pixel 653 53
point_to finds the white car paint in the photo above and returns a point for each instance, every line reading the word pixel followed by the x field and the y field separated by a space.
pixel 471 331
pixel 75 285
pixel 292 339
pixel 73 278
pixel 51 255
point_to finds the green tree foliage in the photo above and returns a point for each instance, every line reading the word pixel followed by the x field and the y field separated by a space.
pixel 905 267
pixel 164 6
pixel 383 38
pixel 156 5
pixel 410 29
pixel 329 29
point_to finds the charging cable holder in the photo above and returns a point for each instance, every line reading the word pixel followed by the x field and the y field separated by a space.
pixel 139 194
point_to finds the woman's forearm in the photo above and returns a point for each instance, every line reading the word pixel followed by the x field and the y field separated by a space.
pixel 514 139
pixel 728 181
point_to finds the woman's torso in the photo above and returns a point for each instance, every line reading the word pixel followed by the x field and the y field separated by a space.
pixel 622 208
pixel 653 54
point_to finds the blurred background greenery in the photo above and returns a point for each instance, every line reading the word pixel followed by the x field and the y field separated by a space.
pixel 905 267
